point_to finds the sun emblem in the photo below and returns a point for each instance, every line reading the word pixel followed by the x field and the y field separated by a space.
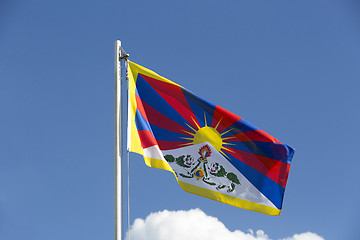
pixel 210 135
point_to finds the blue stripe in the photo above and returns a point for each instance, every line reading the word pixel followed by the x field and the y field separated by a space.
pixel 141 123
pixel 240 126
pixel 166 135
pixel 270 189
pixel 290 153
pixel 199 106
pixel 272 150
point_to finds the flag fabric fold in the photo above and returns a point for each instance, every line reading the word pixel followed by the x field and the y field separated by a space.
pixel 211 151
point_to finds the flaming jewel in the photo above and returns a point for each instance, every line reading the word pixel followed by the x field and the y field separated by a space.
pixel 205 152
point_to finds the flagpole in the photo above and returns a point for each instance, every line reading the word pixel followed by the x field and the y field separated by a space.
pixel 120 54
pixel 118 195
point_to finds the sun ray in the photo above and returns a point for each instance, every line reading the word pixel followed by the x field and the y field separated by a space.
pixel 227 138
pixel 227 149
pixel 205 119
pixel 191 128
pixel 226 131
pixel 224 154
pixel 225 143
pixel 190 133
pixel 195 123
pixel 187 138
pixel 186 144
pixel 218 123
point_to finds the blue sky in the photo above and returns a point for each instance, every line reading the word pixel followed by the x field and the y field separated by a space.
pixel 290 68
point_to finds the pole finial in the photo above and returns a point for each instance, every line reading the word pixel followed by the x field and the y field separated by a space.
pixel 123 54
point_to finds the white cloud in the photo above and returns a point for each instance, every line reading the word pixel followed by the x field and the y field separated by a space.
pixel 195 224
pixel 305 236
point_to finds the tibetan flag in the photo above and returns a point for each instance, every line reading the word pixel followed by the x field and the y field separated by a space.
pixel 211 151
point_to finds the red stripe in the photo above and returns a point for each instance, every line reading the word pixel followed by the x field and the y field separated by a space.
pixel 173 95
pixel 275 170
pixel 168 145
pixel 160 120
pixel 146 138
pixel 140 107
pixel 225 118
pixel 255 136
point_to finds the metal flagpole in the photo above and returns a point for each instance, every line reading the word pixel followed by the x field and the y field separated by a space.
pixel 119 55
pixel 118 216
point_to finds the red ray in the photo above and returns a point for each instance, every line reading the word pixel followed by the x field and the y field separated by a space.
pixel 168 145
pixel 140 107
pixel 225 117
pixel 146 138
pixel 255 136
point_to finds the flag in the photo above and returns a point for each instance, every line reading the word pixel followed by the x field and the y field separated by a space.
pixel 211 151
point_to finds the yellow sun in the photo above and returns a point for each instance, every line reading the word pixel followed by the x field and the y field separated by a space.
pixel 208 134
